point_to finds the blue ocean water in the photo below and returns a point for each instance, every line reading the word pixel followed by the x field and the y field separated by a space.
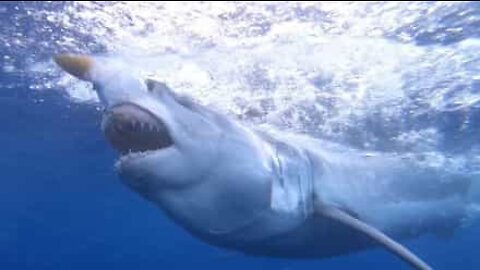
pixel 382 76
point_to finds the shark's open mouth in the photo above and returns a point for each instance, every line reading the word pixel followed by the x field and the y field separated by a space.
pixel 129 128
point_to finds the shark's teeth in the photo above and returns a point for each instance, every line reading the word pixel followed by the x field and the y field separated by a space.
pixel 139 126
pixel 136 126
pixel 132 155
pixel 132 129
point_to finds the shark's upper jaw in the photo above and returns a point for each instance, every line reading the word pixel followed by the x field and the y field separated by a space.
pixel 130 128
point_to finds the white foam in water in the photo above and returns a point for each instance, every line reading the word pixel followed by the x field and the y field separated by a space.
pixel 326 69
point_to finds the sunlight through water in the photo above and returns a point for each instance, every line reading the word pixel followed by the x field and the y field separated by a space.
pixel 380 76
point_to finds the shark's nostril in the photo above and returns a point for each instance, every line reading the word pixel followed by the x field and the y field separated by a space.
pixel 130 128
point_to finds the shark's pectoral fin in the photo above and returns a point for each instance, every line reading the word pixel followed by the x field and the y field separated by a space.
pixel 374 234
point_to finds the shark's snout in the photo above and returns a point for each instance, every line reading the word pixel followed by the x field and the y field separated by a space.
pixel 76 65
pixel 131 128
pixel 127 126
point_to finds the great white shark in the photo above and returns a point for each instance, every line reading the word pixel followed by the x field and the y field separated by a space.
pixel 265 194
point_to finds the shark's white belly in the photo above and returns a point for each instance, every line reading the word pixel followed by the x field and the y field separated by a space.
pixel 393 194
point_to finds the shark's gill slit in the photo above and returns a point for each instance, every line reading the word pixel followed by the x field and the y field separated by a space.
pixel 131 128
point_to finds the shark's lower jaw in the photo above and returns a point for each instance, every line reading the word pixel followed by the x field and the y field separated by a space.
pixel 130 128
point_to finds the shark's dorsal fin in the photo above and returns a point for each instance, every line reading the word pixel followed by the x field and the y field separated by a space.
pixel 338 215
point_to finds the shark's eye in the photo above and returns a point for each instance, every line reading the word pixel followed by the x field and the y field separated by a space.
pixel 154 86
pixel 150 85
pixel 160 88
